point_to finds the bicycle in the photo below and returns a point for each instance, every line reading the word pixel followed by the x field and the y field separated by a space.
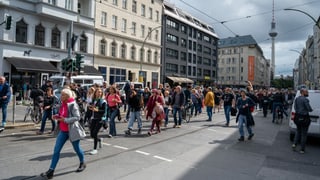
pixel 35 113
pixel 186 112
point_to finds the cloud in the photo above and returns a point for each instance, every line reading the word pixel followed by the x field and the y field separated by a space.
pixel 254 17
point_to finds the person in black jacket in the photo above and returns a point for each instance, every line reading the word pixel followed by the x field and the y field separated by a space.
pixel 178 101
pixel 97 107
pixel 135 102
pixel 278 100
pixel 5 94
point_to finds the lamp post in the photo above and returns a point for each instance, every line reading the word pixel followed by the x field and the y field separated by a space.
pixel 142 55
pixel 313 19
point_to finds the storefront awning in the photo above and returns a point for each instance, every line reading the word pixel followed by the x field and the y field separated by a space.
pixel 91 70
pixel 180 79
pixel 31 65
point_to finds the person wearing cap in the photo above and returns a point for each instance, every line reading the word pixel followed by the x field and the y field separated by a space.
pixel 244 103
pixel 209 102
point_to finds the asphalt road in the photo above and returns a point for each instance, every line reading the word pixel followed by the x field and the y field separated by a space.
pixel 197 150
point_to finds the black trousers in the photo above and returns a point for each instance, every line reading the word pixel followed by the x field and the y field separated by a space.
pixel 94 130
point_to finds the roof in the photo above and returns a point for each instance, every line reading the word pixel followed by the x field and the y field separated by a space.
pixel 237 41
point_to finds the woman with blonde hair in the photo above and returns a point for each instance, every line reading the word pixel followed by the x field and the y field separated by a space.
pixel 68 117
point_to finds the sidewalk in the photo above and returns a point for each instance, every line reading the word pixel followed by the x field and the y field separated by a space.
pixel 15 116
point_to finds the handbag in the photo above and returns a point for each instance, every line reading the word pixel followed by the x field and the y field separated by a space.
pixel 234 111
pixel 76 131
pixel 302 120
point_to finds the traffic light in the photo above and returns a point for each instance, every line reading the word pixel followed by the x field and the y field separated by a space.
pixel 80 63
pixel 8 22
pixel 64 64
pixel 74 66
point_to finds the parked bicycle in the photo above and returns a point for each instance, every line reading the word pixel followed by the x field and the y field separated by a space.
pixel 34 112
pixel 186 112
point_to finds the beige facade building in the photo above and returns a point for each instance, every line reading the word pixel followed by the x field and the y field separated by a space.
pixel 241 59
pixel 128 40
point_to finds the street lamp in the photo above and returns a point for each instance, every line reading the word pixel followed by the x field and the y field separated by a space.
pixel 141 58
pixel 313 19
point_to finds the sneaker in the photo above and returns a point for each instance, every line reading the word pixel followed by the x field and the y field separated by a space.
pixel 128 132
pixel 93 152
pixel 179 126
pixel 293 147
pixel 149 133
pixel 48 174
pixel 39 133
pixel 250 136
pixel 100 143
pixel 241 138
pixel 226 125
pixel 302 151
pixel 1 129
pixel 109 136
pixel 174 126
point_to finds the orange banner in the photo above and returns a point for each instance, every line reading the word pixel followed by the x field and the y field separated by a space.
pixel 251 68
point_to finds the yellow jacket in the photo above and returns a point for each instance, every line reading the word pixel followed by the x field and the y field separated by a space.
pixel 209 99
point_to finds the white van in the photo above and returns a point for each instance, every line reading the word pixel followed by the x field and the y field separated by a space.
pixel 83 80
pixel 314 128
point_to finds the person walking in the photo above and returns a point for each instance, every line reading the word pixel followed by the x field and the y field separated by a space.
pixel 113 99
pixel 48 105
pixel 135 102
pixel 155 97
pixel 69 116
pixel 301 120
pixel 244 103
pixel 5 95
pixel 178 101
pixel 166 106
pixel 209 102
pixel 228 101
pixel 97 107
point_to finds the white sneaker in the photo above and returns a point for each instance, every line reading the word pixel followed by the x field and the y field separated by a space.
pixel 93 152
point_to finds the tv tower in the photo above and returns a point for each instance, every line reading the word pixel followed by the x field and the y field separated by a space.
pixel 273 33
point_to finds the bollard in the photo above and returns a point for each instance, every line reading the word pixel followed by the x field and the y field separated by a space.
pixel 13 107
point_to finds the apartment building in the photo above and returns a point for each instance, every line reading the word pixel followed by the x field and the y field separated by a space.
pixel 128 40
pixel 240 59
pixel 189 49
pixel 39 37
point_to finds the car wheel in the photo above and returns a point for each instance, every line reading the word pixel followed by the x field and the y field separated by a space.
pixel 291 136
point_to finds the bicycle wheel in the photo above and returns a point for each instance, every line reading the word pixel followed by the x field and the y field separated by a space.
pixel 26 115
pixel 188 117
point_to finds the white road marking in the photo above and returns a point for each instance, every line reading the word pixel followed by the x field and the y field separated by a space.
pixel 162 158
pixel 121 147
pixel 142 152
pixel 106 144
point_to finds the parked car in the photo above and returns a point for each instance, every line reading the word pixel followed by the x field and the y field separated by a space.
pixel 314 128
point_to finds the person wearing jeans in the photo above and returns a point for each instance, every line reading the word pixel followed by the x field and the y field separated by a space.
pixel 228 99
pixel 209 103
pixel 177 104
pixel 113 99
pixel 135 101
pixel 5 94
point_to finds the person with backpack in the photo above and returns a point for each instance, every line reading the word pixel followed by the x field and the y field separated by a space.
pixel 135 101
pixel 97 107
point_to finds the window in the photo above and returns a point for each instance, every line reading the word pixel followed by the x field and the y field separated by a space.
pixel 183 69
pixel 114 22
pixel 156 36
pixel 134 26
pixel 21 31
pixel 157 16
pixel 103 19
pixel 183 56
pixel 142 30
pixel 172 38
pixel 172 53
pixel 156 57
pixel 55 38
pixel 124 4
pixel 199 61
pixel 68 4
pixel 117 75
pixel 113 49
pixel 143 10
pixel 194 46
pixel 83 43
pixel 103 47
pixel 199 47
pixel 206 61
pixel 183 29
pixel 115 2
pixel 172 24
pixel 199 35
pixel 39 35
pixel 194 71
pixel 79 8
pixel 189 70
pixel 189 57
pixel 206 72
pixel 149 56
pixel 141 55
pixel 207 39
pixel 206 50
pixel 123 51
pixel 134 6
pixel 133 53
pixel 199 72
pixel 124 25
pixel 53 2
pixel 149 33
pixel 171 68
pixel 190 45
pixel 183 42
pixel 150 13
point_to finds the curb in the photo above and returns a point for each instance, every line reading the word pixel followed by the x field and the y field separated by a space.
pixel 18 125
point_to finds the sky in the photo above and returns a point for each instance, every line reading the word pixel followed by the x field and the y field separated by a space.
pixel 254 17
